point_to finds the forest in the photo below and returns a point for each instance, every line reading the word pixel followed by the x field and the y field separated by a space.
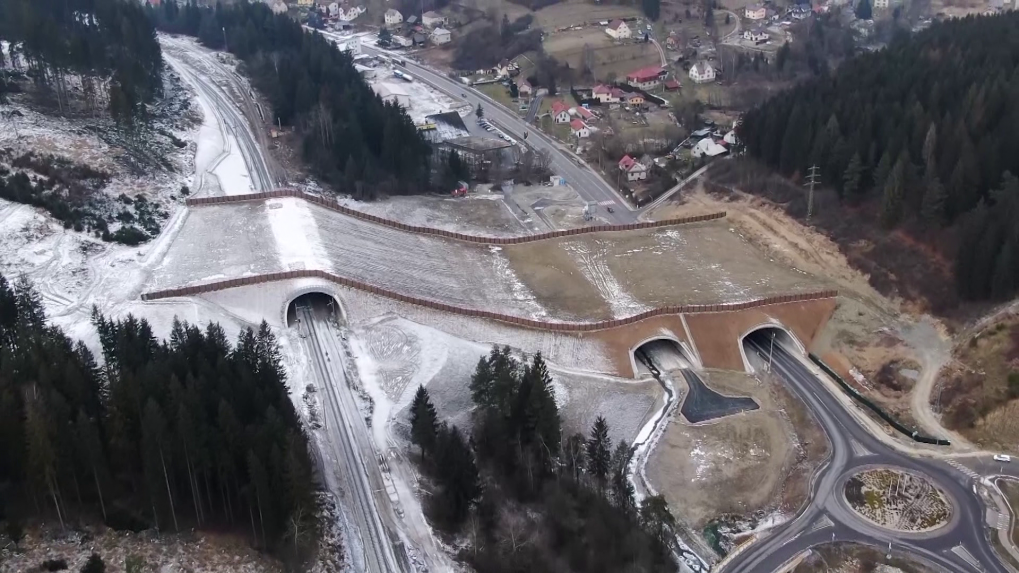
pixel 527 497
pixel 349 136
pixel 920 137
pixel 108 47
pixel 192 432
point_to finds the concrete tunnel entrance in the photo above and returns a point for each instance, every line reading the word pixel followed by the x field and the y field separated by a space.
pixel 663 353
pixel 759 343
pixel 320 304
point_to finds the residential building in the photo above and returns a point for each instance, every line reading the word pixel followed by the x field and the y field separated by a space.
pixel 634 99
pixel 579 128
pixel 333 10
pixel 582 112
pixel 393 17
pixel 756 35
pixel 646 78
pixel 305 2
pixel 672 85
pixel 278 7
pixel 419 39
pixel 708 147
pixel 756 12
pixel 560 112
pixel 702 72
pixel 618 30
pixel 607 94
pixel 431 19
pixel 350 13
pixel 402 41
pixel 730 138
pixel 635 170
pixel 412 20
pixel 440 36
pixel 524 88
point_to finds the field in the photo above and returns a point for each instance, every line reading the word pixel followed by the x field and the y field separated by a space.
pixel 980 388
pixel 609 58
pixel 579 13
pixel 742 465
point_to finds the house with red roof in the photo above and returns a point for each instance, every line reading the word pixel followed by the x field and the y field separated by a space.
pixel 635 170
pixel 607 94
pixel 646 78
pixel 560 112
pixel 579 128
pixel 582 112
pixel 672 85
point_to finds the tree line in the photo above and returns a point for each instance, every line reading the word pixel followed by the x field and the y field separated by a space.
pixel 923 131
pixel 528 497
pixel 109 46
pixel 349 136
pixel 189 432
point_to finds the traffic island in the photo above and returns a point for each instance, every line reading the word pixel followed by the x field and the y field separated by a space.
pixel 898 500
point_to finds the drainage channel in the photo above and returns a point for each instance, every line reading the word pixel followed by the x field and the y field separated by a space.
pixel 642 445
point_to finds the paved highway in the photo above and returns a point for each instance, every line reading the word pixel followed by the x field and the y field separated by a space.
pixel 584 179
pixel 961 546
pixel 347 431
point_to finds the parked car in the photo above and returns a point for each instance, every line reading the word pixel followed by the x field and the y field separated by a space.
pixel 1002 458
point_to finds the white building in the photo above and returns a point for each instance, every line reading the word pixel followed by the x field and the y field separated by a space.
pixel 402 41
pixel 702 72
pixel 431 19
pixel 708 147
pixel 618 30
pixel 579 128
pixel 757 35
pixel 353 47
pixel 393 17
pixel 756 12
pixel 440 36
pixel 278 7
pixel 350 13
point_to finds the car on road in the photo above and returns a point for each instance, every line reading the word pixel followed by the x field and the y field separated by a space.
pixel 611 210
pixel 1002 458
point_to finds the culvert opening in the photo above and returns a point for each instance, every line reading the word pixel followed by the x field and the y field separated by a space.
pixel 758 346
pixel 317 304
pixel 661 355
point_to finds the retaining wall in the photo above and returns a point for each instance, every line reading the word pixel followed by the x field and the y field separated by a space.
pixel 514 320
pixel 332 205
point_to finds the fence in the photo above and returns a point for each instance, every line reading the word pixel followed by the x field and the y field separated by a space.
pixel 475 313
pixel 899 426
pixel 334 206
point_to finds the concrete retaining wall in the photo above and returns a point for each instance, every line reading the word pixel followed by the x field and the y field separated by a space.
pixel 334 206
pixel 514 320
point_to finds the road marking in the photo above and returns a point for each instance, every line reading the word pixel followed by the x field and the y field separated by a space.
pixel 969 473
pixel 1002 522
pixel 824 523
pixel 859 450
pixel 966 556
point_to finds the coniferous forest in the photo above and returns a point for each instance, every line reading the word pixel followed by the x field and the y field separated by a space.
pixel 924 132
pixel 527 497
pixel 350 137
pixel 190 432
pixel 109 46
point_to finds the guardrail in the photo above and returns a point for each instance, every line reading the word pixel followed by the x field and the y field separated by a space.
pixel 475 313
pixel 899 426
pixel 332 205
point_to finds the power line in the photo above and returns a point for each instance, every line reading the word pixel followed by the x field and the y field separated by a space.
pixel 812 178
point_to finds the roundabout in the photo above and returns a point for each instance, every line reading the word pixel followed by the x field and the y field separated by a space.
pixel 897 500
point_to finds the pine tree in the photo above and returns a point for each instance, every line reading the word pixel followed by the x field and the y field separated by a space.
pixel 458 474
pixel 852 176
pixel 424 423
pixel 657 520
pixel 933 208
pixel 891 203
pixel 94 564
pixel 599 457
pixel 652 9
pixel 622 488
pixel 542 413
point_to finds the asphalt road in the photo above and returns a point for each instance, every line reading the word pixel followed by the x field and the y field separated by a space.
pixel 960 546
pixel 587 183
pixel 348 434
pixel 237 113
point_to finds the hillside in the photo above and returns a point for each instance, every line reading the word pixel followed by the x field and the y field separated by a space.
pixel 917 138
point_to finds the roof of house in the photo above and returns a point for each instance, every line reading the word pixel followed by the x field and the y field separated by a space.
pixel 522 82
pixel 616 24
pixel 558 107
pixel 412 19
pixel 577 125
pixel 626 162
pixel 431 14
pixel 440 30
pixel 629 97
pixel 644 74
pixel 584 112
pixel 755 7
pixel 393 12
pixel 602 89
pixel 448 125
pixel 672 85
pixel 701 68
pixel 710 147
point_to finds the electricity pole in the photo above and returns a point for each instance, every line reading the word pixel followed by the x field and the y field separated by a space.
pixel 812 179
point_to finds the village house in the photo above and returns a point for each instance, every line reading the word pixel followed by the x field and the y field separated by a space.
pixel 635 170
pixel 524 88
pixel 756 12
pixel 560 112
pixel 582 112
pixel 278 7
pixel 756 35
pixel 672 85
pixel 305 2
pixel 702 72
pixel 646 78
pixel 579 128
pixel 440 36
pixel 618 30
pixel 432 19
pixel 393 17
pixel 402 41
pixel 634 99
pixel 708 147
pixel 607 94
